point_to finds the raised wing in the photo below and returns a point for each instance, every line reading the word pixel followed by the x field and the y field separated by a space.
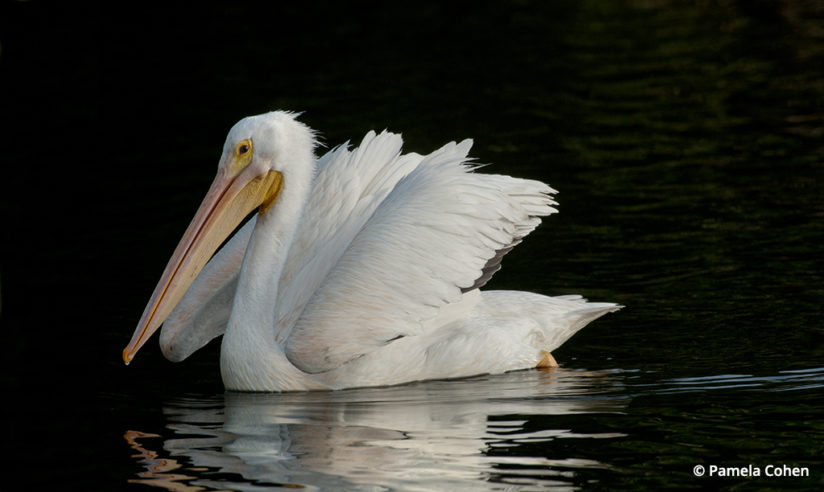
pixel 348 188
pixel 439 231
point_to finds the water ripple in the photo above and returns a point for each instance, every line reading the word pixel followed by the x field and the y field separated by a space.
pixel 788 380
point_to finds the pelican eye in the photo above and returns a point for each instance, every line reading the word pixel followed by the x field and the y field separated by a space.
pixel 243 155
pixel 243 148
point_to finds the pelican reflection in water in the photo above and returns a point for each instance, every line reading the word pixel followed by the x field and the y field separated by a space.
pixel 435 435
pixel 360 268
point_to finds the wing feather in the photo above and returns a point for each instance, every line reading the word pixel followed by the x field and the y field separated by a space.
pixel 438 232
pixel 348 187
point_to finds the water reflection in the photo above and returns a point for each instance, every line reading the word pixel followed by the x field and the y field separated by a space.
pixel 454 434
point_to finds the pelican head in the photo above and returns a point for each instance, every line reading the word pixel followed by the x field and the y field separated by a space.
pixel 261 154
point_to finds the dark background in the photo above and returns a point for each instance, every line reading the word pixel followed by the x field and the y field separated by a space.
pixel 685 138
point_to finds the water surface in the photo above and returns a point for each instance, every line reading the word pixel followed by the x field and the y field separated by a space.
pixel 560 428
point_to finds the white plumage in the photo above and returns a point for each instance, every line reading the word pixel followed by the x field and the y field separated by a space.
pixel 365 270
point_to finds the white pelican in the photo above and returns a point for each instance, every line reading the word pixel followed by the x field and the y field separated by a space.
pixel 361 268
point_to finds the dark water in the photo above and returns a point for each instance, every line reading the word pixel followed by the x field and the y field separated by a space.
pixel 687 142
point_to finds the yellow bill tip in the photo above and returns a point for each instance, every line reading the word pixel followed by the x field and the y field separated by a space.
pixel 127 357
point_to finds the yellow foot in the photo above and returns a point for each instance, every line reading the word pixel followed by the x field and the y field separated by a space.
pixel 547 360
